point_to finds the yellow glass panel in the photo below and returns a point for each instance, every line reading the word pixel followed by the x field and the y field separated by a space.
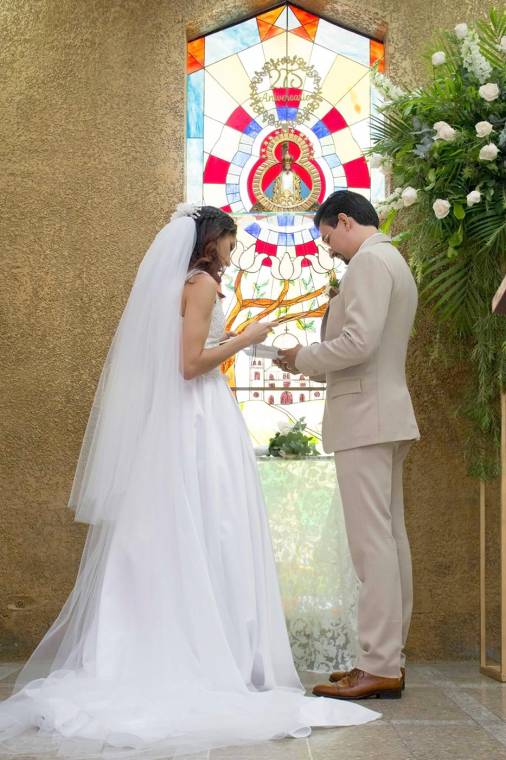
pixel 346 146
pixel 217 102
pixel 275 47
pixel 343 74
pixel 252 59
pixel 323 108
pixel 322 60
pixel 231 74
pixel 356 104
pixel 299 46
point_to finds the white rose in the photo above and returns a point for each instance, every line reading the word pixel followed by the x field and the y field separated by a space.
pixel 483 128
pixel 444 131
pixel 441 208
pixel 284 427
pixel 489 91
pixel 438 58
pixel 461 31
pixel 503 44
pixel 489 152
pixel 473 197
pixel 376 161
pixel 409 196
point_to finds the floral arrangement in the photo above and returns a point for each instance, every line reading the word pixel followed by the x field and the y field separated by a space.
pixel 290 442
pixel 186 209
pixel 443 147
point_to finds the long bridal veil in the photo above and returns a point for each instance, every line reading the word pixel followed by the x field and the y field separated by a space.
pixel 127 479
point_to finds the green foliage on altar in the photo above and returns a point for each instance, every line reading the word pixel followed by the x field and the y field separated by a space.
pixel 292 443
pixel 444 147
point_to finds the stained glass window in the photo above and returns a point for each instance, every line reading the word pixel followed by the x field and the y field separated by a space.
pixel 278 117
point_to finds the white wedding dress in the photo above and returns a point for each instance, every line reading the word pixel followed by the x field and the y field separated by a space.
pixel 178 643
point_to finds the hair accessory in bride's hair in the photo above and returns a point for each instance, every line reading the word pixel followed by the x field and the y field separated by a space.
pixel 186 209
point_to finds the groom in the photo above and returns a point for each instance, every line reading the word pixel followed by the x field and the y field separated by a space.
pixel 369 424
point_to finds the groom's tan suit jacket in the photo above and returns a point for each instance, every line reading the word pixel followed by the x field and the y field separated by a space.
pixel 363 351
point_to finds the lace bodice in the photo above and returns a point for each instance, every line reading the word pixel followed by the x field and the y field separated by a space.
pixel 217 324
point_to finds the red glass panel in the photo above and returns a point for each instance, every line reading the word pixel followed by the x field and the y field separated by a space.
pixel 216 170
pixel 357 173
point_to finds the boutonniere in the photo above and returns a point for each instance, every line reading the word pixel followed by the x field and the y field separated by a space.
pixel 332 287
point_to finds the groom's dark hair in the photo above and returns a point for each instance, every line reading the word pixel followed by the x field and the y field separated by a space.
pixel 349 203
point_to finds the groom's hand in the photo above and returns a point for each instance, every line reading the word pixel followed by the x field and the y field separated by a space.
pixel 287 358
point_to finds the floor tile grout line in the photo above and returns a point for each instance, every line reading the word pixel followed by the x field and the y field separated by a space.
pixel 310 754
pixel 471 706
pixel 410 755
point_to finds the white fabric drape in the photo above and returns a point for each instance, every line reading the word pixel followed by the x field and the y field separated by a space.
pixel 318 583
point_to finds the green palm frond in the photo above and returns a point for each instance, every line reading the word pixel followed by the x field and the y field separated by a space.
pixel 489 229
pixel 490 32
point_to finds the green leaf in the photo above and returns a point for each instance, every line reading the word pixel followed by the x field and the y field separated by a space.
pixel 457 238
pixel 459 211
pixel 431 176
pixel 386 225
pixel 401 237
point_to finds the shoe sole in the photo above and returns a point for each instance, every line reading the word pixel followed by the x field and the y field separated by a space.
pixel 335 680
pixel 388 694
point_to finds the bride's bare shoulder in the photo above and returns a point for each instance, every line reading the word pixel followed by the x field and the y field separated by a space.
pixel 201 282
pixel 201 288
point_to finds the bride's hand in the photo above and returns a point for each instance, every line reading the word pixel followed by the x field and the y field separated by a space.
pixel 257 332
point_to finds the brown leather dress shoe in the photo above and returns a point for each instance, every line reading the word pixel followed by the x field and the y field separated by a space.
pixel 357 684
pixel 338 674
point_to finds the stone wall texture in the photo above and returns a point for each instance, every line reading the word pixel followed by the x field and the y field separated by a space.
pixel 93 163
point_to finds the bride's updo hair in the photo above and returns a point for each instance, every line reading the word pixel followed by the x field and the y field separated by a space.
pixel 212 224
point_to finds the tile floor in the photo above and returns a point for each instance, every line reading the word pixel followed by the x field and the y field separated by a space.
pixel 448 711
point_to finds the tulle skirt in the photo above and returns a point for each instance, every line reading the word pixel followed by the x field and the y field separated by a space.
pixel 173 640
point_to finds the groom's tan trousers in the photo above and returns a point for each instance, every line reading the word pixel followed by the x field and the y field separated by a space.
pixel 370 482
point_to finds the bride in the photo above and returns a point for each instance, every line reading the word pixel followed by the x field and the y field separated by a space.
pixel 173 638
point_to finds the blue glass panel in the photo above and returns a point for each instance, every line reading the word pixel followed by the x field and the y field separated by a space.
pixel 253 229
pixel 253 128
pixel 286 238
pixel 231 40
pixel 320 129
pixel 287 114
pixel 343 41
pixel 195 105
pixel 304 190
pixel 332 160
pixel 285 220
pixel 194 169
pixel 314 232
pixel 232 187
pixel 240 158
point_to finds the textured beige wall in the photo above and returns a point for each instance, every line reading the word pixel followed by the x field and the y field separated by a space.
pixel 93 162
